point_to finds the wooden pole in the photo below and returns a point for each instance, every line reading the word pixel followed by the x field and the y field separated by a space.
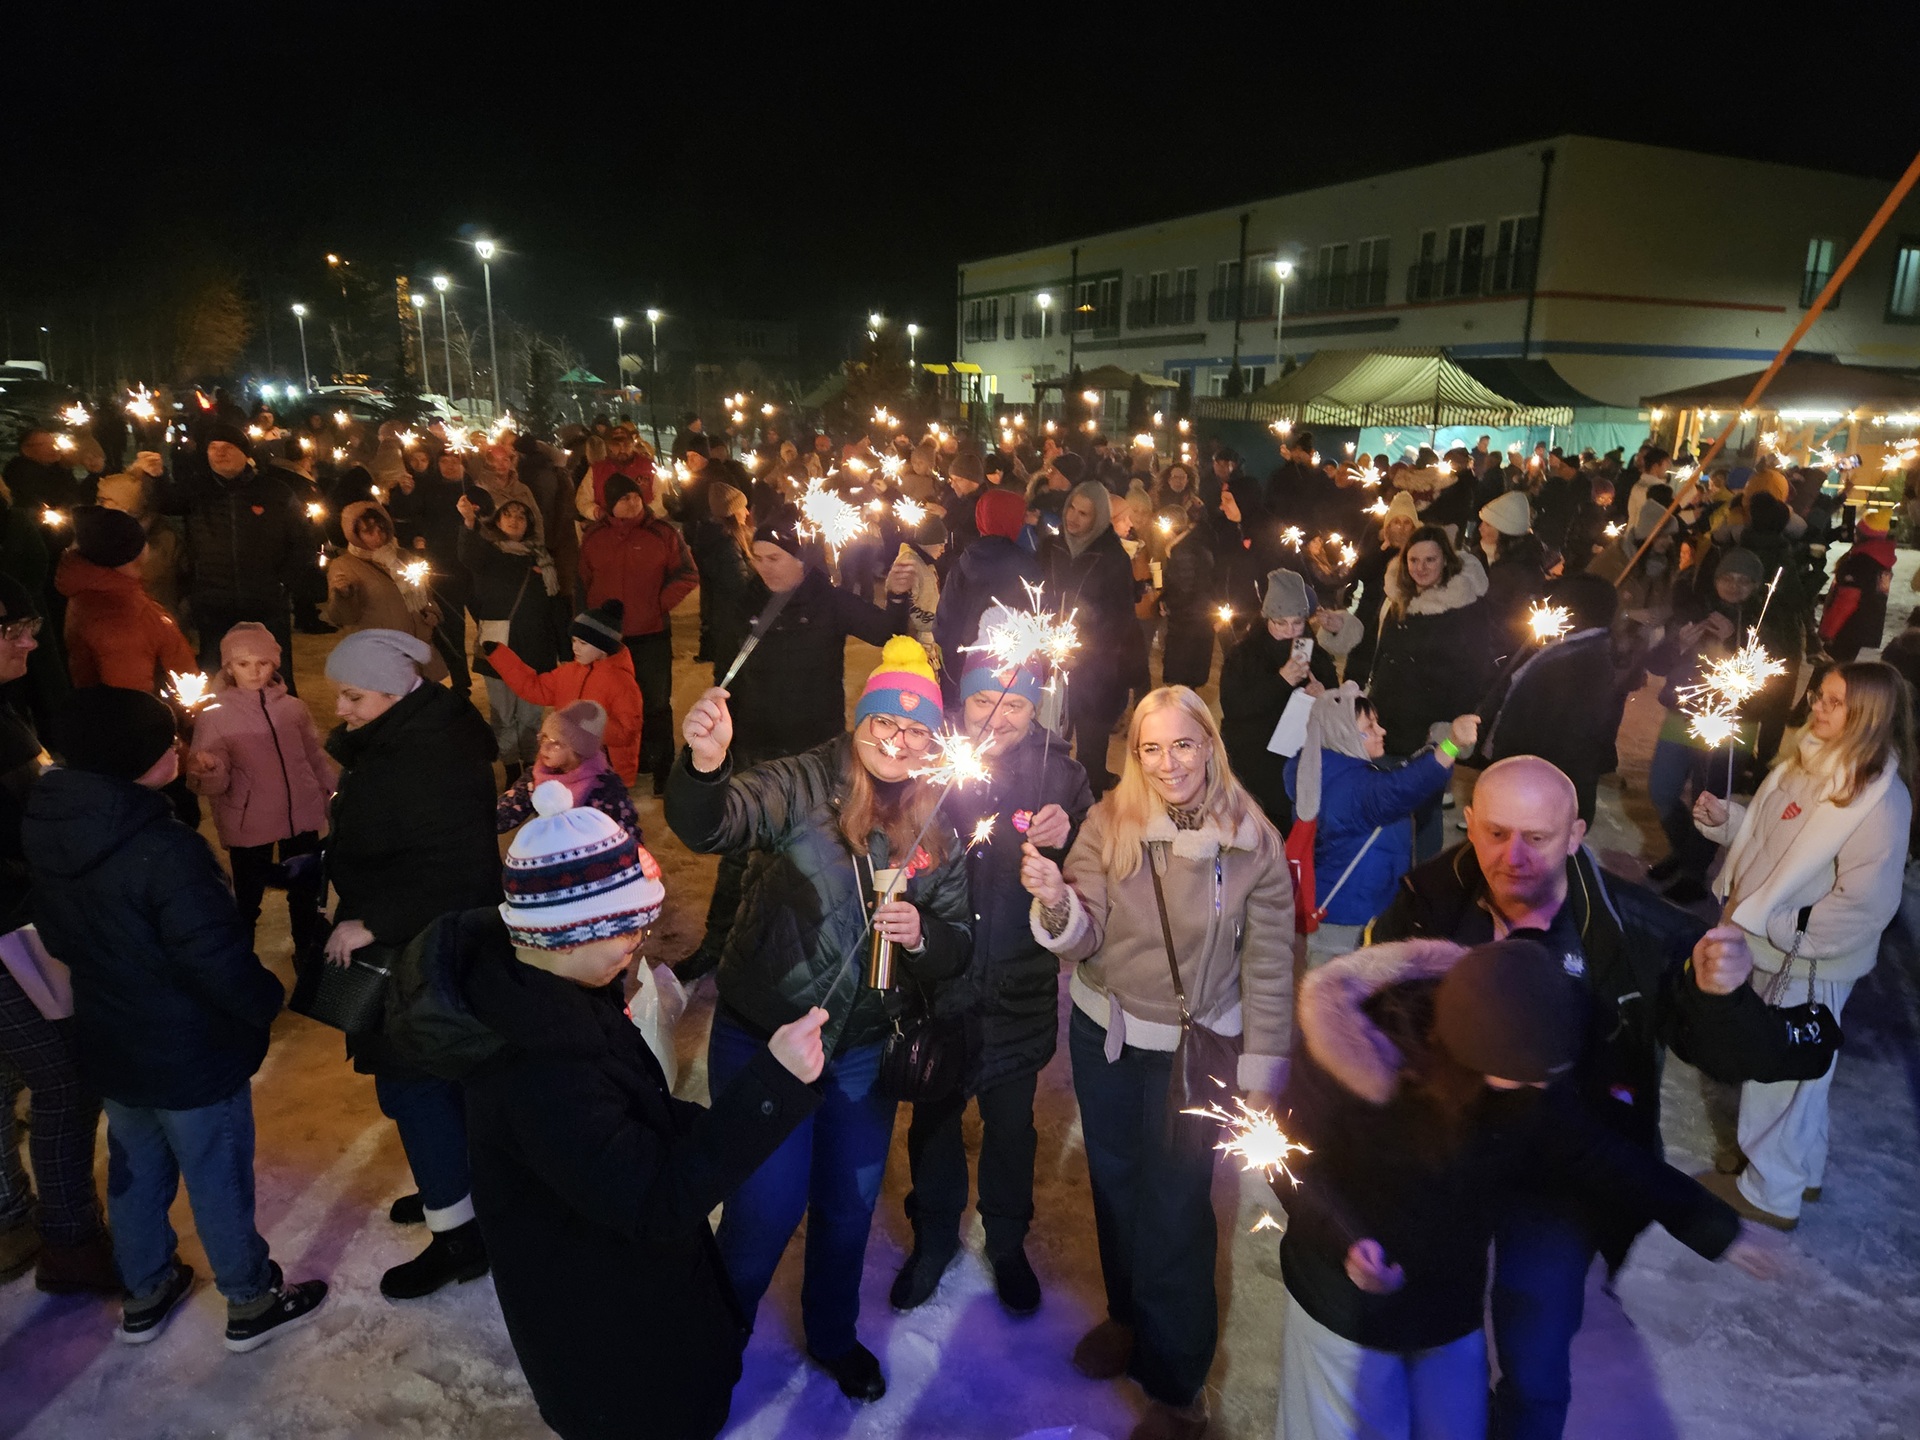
pixel 1839 277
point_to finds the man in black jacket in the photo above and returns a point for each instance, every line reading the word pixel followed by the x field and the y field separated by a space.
pixel 1655 981
pixel 171 1006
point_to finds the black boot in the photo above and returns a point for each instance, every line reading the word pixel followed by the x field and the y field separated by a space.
pixel 1015 1282
pixel 408 1210
pixel 457 1254
pixel 919 1277
pixel 857 1371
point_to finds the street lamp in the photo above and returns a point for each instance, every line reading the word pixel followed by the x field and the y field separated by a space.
pixel 913 346
pixel 306 370
pixel 874 321
pixel 653 375
pixel 619 324
pixel 420 324
pixel 440 283
pixel 1283 271
pixel 484 249
pixel 1044 301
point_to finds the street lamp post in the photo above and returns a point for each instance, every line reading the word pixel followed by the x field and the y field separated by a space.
pixel 913 346
pixel 484 249
pixel 1283 272
pixel 619 324
pixel 653 374
pixel 440 283
pixel 306 370
pixel 1042 301
pixel 420 325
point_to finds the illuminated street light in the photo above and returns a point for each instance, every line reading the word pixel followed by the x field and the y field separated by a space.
pixel 306 370
pixel 440 283
pixel 619 324
pixel 653 375
pixel 1283 272
pixel 484 249
pixel 420 321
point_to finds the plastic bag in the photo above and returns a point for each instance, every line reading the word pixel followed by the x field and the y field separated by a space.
pixel 656 1009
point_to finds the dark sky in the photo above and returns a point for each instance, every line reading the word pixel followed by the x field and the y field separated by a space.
pixel 762 175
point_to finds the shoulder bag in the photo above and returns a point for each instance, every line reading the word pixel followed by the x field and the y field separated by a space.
pixel 1205 1062
pixel 1810 1034
pixel 352 997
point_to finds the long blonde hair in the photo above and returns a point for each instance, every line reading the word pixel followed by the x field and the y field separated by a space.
pixel 1132 804
pixel 1879 730
pixel 863 810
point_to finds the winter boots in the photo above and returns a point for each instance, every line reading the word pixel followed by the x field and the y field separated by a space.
pixel 1104 1351
pixel 1015 1283
pixel 457 1254
pixel 857 1373
pixel 408 1210
pixel 138 1326
pixel 919 1277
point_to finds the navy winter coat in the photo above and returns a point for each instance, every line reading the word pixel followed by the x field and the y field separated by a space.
pixel 171 1007
pixel 1355 796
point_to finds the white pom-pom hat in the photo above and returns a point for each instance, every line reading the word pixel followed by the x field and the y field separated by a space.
pixel 575 874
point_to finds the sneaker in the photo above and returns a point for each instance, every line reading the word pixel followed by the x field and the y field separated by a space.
pixel 1016 1284
pixel 408 1210
pixel 452 1255
pixel 918 1279
pixel 137 1327
pixel 857 1372
pixel 292 1307
pixel 1104 1351
pixel 83 1269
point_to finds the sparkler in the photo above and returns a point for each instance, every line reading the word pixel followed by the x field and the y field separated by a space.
pixel 1548 622
pixel 891 466
pixel 306 444
pixel 1267 1222
pixel 909 511
pixel 316 511
pixel 254 432
pixel 458 441
pixel 1163 525
pixel 51 516
pixel 1378 507
pixel 1026 635
pixel 340 417
pixel 831 518
pixel 339 453
pixel 983 831
pixel 1371 477
pixel 75 415
pixel 141 406
pixel 415 572
pixel 500 426
pixel 1348 554
pixel 64 444
pixel 1293 537
pixel 1224 614
pixel 1254 1138
pixel 1614 527
pixel 407 439
pixel 1712 707
pixel 192 690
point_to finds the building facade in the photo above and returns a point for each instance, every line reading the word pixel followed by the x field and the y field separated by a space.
pixel 1631 268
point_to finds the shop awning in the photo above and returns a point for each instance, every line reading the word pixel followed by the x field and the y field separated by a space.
pixel 1813 388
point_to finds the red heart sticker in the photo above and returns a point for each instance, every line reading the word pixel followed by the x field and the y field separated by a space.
pixel 258 509
pixel 1792 810
pixel 1022 820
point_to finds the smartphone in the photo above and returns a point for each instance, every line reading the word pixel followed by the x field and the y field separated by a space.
pixel 1303 649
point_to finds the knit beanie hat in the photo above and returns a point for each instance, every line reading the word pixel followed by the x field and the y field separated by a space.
pixel 968 465
pixel 1000 512
pixel 1510 1009
pixel 574 874
pixel 779 530
pixel 722 497
pixel 1332 724
pixel 249 640
pixel 1768 482
pixel 232 434
pixel 1738 477
pixel 109 731
pixel 16 601
pixel 108 538
pixel 387 661
pixel 1072 467
pixel 930 531
pixel 902 685
pixel 600 626
pixel 1740 561
pixel 1287 597
pixel 983 673
pixel 1872 526
pixel 1509 513
pixel 580 726
pixel 618 488
pixel 1401 507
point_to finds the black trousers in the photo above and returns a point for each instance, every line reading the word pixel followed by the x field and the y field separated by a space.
pixel 254 870
pixel 1092 711
pixel 653 668
pixel 937 1163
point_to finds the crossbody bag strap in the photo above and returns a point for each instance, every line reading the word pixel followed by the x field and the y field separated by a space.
pixel 518 595
pixel 1776 987
pixel 1325 904
pixel 1166 936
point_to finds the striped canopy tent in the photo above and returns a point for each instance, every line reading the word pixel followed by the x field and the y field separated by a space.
pixel 1105 377
pixel 1359 388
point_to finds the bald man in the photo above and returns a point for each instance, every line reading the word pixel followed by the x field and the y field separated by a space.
pixel 1656 982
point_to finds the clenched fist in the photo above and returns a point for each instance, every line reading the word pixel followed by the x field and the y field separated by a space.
pixel 708 729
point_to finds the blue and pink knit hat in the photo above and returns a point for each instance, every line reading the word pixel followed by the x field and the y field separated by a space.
pixel 903 685
pixel 575 874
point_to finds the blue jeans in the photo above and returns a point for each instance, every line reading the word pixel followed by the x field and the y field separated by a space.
pixel 148 1153
pixel 1677 775
pixel 828 1170
pixel 431 1116
pixel 1152 1213
pixel 1540 1264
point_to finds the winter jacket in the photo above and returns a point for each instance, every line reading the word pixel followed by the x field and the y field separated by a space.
pixel 606 792
pixel 1857 603
pixel 1230 901
pixel 1515 581
pixel 542 470
pixel 592 1185
pixel 727 589
pixel 1369 577
pixel 1253 696
pixel 1097 586
pixel 1356 796
pixel 116 633
pixel 270 778
pixel 171 1008
pixel 791 695
pixel 1188 595
pixel 1563 704
pixel 430 512
pixel 19 769
pixel 1010 993
pixel 991 568
pixel 642 563
pixel 1633 949
pixel 610 681
pixel 507 586
pixel 247 541
pixel 1385 1162
pixel 1434 659
pixel 800 938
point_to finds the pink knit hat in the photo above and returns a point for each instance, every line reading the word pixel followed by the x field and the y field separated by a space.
pixel 249 640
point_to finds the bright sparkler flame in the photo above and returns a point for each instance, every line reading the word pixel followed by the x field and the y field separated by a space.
pixel 1378 507
pixel 1614 527
pixel 1713 728
pixel 1548 622
pixel 1163 525
pixel 1370 477
pixel 831 518
pixel 64 444
pixel 961 761
pixel 340 417
pixel 1026 635
pixel 407 439
pixel 458 441
pixel 192 690
pixel 141 406
pixel 1267 1222
pixel 1255 1139
pixel 909 511
pixel 51 516
pixel 1348 554
pixel 500 426
pixel 983 831
pixel 339 453
pixel 75 414
pixel 316 511
pixel 1742 675
pixel 1293 537
pixel 254 432
pixel 414 572
pixel 1225 614
pixel 891 466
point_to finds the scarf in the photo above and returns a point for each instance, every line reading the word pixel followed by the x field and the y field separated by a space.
pixel 548 575
pixel 579 780
pixel 1331 725
pixel 389 559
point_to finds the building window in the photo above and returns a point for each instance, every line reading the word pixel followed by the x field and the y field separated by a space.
pixel 1421 278
pixel 1903 300
pixel 1012 330
pixel 1369 285
pixel 1182 375
pixel 1184 299
pixel 1822 256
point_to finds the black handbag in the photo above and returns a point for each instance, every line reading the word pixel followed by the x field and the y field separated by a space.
pixel 1810 1034
pixel 1205 1063
pixel 348 997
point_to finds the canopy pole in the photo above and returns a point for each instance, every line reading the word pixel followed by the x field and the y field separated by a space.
pixel 1832 288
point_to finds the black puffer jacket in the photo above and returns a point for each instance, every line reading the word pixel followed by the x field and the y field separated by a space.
pixel 511 587
pixel 171 1007
pixel 1253 696
pixel 1563 704
pixel 1097 585
pixel 247 539
pixel 1010 994
pixel 1434 660
pixel 802 911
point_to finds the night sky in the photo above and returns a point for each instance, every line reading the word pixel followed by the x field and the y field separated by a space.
pixel 759 176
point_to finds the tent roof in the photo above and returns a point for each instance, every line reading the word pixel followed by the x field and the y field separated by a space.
pixel 580 376
pixel 1396 387
pixel 1814 384
pixel 1530 382
pixel 829 389
pixel 1107 377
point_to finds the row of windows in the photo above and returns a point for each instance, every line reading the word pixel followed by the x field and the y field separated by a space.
pixel 1903 294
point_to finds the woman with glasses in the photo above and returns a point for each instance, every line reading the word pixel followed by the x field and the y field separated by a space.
pixel 828 830
pixel 1178 857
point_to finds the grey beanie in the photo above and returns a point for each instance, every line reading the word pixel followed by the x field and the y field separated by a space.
pixel 1287 597
pixel 388 661
pixel 1740 561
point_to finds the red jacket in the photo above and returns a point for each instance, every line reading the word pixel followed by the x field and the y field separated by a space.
pixel 639 470
pixel 610 681
pixel 116 633
pixel 642 563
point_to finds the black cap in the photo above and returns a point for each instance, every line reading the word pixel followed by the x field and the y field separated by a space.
pixel 109 538
pixel 1511 1009
pixel 109 731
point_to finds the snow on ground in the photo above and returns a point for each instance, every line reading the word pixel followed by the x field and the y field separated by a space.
pixel 1686 1349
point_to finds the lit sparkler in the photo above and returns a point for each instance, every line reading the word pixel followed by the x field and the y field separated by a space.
pixel 1267 1222
pixel 141 406
pixel 909 511
pixel 414 572
pixel 1348 554
pixel 1371 477
pixel 75 414
pixel 831 518
pixel 1293 537
pixel 1548 622
pixel 1224 614
pixel 983 831
pixel 1713 728
pixel 316 511
pixel 1255 1139
pixel 891 466
pixel 254 432
pixel 1025 635
pixel 1163 525
pixel 339 453
pixel 340 417
pixel 192 689
pixel 407 439
pixel 1614 527
pixel 1378 507
pixel 501 426
pixel 64 444
pixel 961 761
pixel 51 516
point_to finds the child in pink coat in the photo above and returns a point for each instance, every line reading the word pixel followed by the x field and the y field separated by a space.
pixel 257 756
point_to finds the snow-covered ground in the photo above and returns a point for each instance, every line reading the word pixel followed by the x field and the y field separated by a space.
pixel 1686 1349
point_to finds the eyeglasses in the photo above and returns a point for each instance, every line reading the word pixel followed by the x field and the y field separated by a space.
pixel 14 631
pixel 1184 752
pixel 911 737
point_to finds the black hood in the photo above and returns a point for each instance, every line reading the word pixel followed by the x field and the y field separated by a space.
pixel 79 819
pixel 431 715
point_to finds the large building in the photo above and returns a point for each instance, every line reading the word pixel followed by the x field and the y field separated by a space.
pixel 1631 269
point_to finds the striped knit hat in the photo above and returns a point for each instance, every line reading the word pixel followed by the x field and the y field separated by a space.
pixel 574 874
pixel 903 685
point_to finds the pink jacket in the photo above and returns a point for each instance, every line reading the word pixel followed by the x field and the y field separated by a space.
pixel 264 768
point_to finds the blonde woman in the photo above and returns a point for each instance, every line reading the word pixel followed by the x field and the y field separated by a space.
pixel 1817 861
pixel 1177 813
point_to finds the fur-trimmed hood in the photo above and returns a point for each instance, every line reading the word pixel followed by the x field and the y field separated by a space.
pixel 1206 842
pixel 1332 1022
pixel 1455 594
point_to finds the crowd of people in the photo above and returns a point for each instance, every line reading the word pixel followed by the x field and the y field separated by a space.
pixel 1467 1039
